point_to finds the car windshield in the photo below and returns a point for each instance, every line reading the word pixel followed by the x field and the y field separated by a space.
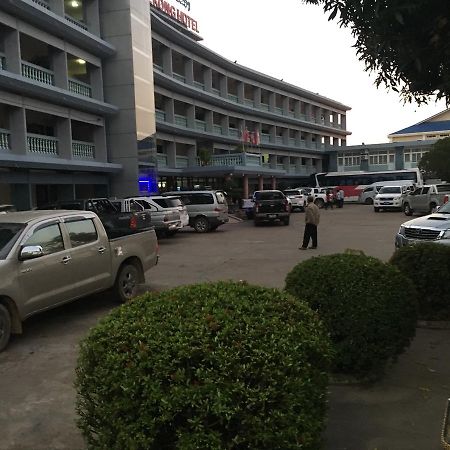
pixel 391 190
pixel 445 209
pixel 175 202
pixel 269 195
pixel 9 233
pixel 163 202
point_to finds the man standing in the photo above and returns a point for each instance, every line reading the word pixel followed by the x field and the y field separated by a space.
pixel 341 197
pixel 312 218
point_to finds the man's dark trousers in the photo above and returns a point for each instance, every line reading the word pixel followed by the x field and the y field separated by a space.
pixel 310 232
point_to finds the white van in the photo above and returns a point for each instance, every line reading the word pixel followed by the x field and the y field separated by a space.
pixel 391 197
pixel 369 192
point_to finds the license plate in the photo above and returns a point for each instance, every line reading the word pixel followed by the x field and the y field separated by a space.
pixel 272 216
pixel 386 203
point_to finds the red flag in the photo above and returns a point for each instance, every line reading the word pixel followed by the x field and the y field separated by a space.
pixel 256 140
pixel 246 136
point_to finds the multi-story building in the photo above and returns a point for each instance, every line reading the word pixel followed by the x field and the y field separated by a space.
pixel 101 97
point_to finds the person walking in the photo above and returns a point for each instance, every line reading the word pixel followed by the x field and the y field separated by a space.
pixel 312 218
pixel 337 196
pixel 341 198
pixel 328 199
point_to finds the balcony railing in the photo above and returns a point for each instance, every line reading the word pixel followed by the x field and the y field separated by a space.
pixel 42 3
pixel 161 159
pixel 215 91
pixel 279 140
pixel 182 162
pixel 158 67
pixel 80 88
pixel 2 61
pixel 292 142
pixel 264 106
pixel 235 159
pixel 76 22
pixel 179 77
pixel 181 120
pixel 160 115
pixel 233 98
pixel 234 132
pixel 4 139
pixel 278 110
pixel 44 145
pixel 217 129
pixel 250 103
pixel 199 85
pixel 83 150
pixel 200 125
pixel 265 138
pixel 37 73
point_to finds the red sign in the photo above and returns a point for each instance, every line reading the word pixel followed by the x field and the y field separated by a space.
pixel 176 14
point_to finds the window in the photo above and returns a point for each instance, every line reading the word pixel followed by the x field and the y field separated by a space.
pixel 81 232
pixel 48 237
pixel 163 202
pixel 199 199
pixel 425 190
pixel 349 159
pixel 9 233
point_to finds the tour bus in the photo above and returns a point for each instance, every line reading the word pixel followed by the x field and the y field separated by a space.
pixel 353 183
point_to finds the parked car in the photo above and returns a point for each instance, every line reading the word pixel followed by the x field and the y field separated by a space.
pixel 319 194
pixel 426 199
pixel 431 228
pixel 207 209
pixel 297 197
pixel 389 198
pixel 116 223
pixel 165 220
pixel 270 206
pixel 174 202
pixel 51 258
pixel 369 192
pixel 7 209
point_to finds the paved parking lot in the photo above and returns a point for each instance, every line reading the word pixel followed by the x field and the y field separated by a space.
pixel 37 369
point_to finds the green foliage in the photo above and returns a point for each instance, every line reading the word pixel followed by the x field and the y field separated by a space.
pixel 212 366
pixel 369 308
pixel 204 155
pixel 436 163
pixel 428 266
pixel 404 41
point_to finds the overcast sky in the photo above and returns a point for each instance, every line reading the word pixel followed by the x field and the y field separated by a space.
pixel 295 42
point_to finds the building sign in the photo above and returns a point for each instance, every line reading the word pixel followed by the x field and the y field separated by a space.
pixel 176 14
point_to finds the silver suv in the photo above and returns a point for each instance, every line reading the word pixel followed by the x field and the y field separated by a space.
pixel 207 209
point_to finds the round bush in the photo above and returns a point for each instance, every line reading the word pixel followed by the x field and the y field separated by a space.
pixel 368 307
pixel 212 366
pixel 428 267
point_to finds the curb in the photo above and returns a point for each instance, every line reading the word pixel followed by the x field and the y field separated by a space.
pixel 434 324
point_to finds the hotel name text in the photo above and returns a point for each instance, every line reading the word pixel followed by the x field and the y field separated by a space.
pixel 176 14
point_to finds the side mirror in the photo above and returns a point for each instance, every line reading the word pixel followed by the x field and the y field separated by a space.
pixel 31 252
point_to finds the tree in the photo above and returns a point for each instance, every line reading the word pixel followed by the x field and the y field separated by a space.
pixel 436 163
pixel 406 42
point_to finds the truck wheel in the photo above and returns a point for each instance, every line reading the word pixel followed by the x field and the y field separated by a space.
pixel 433 207
pixel 5 327
pixel 376 209
pixel 319 202
pixel 407 209
pixel 127 281
pixel 201 225
pixel 286 221
pixel 369 201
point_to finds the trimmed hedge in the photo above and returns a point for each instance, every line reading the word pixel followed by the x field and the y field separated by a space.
pixel 368 307
pixel 428 267
pixel 212 366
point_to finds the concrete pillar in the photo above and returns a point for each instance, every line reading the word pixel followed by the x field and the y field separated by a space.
pixel 241 92
pixel 335 119
pixel 59 66
pixel 209 119
pixel 335 142
pixel 273 134
pixel 257 97
pixel 343 121
pixel 171 150
pixel 286 163
pixel 167 61
pixel 309 142
pixel 101 151
pixel 92 16
pixel 343 142
pixel 298 165
pixel 18 128
pixel 274 183
pixel 225 125
pixel 399 158
pixel 309 166
pixel 57 6
pixel 260 183
pixel 272 101
pixel 273 161
pixel 169 109
pixel 327 142
pixel 207 79
pixel 64 135
pixel 308 111
pixel 12 52
pixel 245 186
pixel 189 71
pixel 319 165
pixel 298 109
pixel 192 156
pixel 286 106
pixel 298 135
pixel 223 86
pixel 191 116
pixel 285 136
pixel 96 80
pixel 333 162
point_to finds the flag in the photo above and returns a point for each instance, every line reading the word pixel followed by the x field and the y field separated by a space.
pixel 245 135
pixel 256 139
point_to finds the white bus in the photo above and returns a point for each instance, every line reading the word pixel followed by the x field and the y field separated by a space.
pixel 352 183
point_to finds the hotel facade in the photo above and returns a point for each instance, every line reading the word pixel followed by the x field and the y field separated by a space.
pixel 109 97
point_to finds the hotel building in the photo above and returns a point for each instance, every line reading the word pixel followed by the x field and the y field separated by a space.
pixel 107 97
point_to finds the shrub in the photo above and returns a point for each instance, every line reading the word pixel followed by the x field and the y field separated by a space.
pixel 428 267
pixel 212 366
pixel 369 308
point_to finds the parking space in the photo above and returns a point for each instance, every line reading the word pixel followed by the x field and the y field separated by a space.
pixel 37 369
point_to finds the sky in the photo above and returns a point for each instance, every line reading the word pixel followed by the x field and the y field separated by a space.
pixel 295 42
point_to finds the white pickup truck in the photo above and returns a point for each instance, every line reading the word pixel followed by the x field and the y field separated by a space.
pixel 426 199
pixel 48 258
